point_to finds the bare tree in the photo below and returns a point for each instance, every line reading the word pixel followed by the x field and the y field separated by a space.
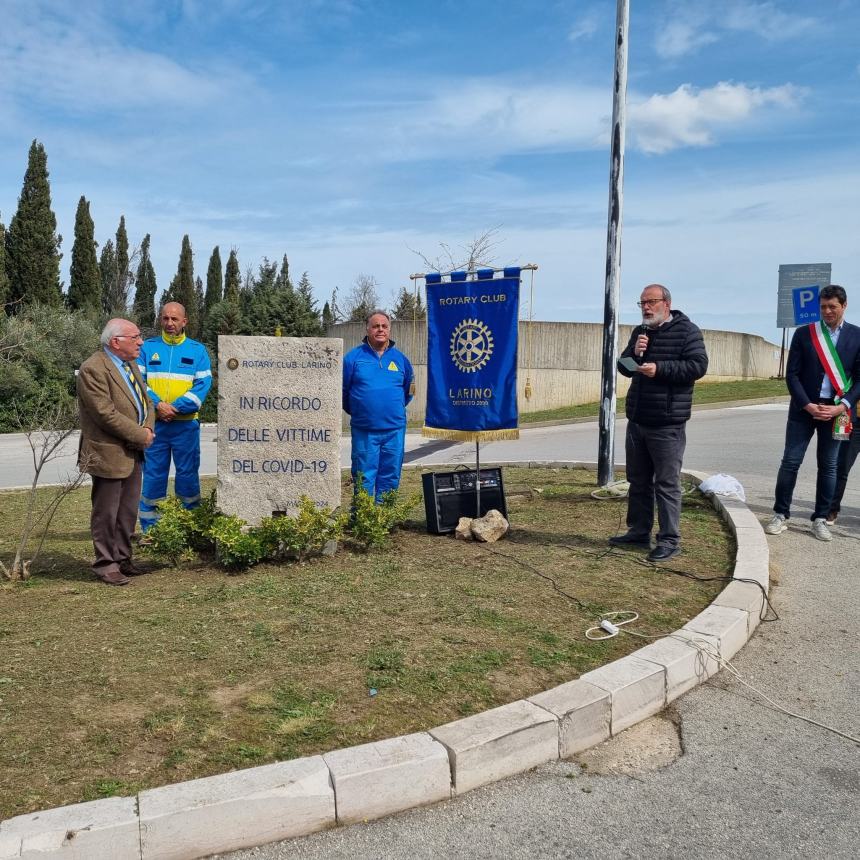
pixel 469 257
pixel 56 422
pixel 361 299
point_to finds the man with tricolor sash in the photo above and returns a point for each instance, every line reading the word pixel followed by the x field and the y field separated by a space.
pixel 823 378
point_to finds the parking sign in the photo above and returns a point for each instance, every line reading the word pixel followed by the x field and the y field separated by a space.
pixel 805 302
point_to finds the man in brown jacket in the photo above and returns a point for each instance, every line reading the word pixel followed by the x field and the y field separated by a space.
pixel 117 420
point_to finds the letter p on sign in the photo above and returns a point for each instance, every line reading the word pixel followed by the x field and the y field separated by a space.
pixel 805 301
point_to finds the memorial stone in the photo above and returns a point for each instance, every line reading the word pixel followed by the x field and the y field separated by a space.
pixel 279 424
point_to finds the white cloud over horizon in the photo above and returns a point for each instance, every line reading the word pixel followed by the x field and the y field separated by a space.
pixel 689 26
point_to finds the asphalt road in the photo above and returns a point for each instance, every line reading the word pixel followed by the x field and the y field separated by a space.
pixel 750 781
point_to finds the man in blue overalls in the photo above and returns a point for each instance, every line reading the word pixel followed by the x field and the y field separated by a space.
pixel 178 377
pixel 377 386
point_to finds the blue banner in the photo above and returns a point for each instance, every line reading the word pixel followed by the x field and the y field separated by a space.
pixel 472 356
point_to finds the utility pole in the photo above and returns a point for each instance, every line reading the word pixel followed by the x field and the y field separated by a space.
pixel 606 451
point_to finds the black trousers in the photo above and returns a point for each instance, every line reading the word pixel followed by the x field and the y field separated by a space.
pixel 654 457
pixel 848 452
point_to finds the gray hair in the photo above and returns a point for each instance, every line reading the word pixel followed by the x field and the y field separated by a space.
pixel 114 328
pixel 665 294
pixel 377 312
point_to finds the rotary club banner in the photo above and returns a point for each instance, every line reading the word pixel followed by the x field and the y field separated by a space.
pixel 472 356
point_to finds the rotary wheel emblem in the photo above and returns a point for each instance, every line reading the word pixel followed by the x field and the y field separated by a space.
pixel 471 345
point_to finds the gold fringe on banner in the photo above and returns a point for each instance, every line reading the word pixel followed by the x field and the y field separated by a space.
pixel 470 435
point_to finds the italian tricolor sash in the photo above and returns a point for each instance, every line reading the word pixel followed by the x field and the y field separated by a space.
pixel 829 359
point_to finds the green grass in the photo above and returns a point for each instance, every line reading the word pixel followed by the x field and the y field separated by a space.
pixel 189 672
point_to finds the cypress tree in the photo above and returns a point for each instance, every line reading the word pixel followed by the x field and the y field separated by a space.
pixel 327 317
pixel 283 280
pixel 144 296
pixel 214 282
pixel 115 283
pixel 182 287
pixel 4 278
pixel 231 279
pixel 307 319
pixel 107 272
pixel 85 285
pixel 123 276
pixel 32 245
pixel 200 307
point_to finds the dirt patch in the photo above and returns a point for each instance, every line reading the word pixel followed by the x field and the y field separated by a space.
pixel 650 745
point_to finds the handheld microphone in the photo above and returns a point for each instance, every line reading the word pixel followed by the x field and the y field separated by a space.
pixel 640 352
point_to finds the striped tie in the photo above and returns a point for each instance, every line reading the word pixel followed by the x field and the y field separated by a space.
pixel 138 392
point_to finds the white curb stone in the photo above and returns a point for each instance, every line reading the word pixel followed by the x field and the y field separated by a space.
pixel 736 514
pixel 498 743
pixel 637 690
pixel 752 544
pixel 685 664
pixel 754 565
pixel 388 776
pixel 236 810
pixel 728 625
pixel 583 712
pixel 745 596
pixel 99 830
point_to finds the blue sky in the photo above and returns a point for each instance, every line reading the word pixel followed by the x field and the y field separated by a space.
pixel 345 133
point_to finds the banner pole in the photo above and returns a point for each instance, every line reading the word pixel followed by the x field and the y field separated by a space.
pixel 606 446
pixel 478 477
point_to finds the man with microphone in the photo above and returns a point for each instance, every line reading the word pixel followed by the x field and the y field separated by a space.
pixel 664 356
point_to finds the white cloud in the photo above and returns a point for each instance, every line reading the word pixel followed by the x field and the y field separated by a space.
pixel 687 27
pixel 681 37
pixel 767 20
pixel 82 67
pixel 585 27
pixel 690 116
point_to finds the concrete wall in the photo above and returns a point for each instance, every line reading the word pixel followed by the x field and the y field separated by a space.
pixel 562 360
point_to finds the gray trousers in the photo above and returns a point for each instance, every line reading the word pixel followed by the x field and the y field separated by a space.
pixel 654 457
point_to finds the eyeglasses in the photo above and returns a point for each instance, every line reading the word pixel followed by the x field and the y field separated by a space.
pixel 137 336
pixel 649 303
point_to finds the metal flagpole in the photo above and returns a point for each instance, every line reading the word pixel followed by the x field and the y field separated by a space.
pixel 606 451
pixel 478 477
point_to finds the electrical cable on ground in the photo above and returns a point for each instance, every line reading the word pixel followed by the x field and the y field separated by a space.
pixel 707 652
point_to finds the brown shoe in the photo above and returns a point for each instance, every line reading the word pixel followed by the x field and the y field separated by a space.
pixel 113 577
pixel 129 568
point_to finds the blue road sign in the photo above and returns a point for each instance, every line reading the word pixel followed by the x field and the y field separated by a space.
pixel 805 302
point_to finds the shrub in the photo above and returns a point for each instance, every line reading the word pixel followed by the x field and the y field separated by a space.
pixel 305 534
pixel 170 538
pixel 370 524
pixel 235 547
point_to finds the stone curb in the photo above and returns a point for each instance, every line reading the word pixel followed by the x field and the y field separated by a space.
pixel 251 807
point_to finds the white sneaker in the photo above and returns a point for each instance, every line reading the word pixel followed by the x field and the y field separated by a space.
pixel 776 526
pixel 820 530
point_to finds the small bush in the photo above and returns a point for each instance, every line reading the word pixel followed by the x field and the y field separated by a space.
pixel 370 524
pixel 235 548
pixel 305 534
pixel 180 534
pixel 170 538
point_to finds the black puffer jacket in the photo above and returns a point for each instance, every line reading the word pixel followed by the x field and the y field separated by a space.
pixel 678 350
